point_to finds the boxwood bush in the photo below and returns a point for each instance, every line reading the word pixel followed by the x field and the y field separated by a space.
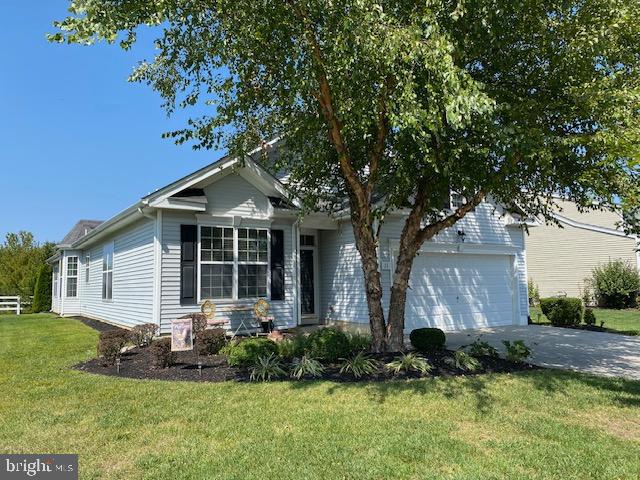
pixel 110 343
pixel 562 311
pixel 589 317
pixel 329 344
pixel 246 352
pixel 161 354
pixel 211 341
pixel 427 339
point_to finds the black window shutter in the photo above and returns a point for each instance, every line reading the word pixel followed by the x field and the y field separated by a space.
pixel 188 270
pixel 277 264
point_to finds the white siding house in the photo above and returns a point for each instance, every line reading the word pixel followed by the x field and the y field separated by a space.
pixel 229 234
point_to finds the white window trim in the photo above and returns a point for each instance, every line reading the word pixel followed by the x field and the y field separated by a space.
pixel 113 267
pixel 69 276
pixel 236 262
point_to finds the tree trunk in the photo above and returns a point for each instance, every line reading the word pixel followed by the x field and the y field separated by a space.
pixel 395 323
pixel 366 245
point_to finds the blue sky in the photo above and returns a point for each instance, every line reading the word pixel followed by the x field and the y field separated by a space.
pixel 76 139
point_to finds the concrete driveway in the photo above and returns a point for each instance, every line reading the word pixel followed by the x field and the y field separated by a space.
pixel 605 354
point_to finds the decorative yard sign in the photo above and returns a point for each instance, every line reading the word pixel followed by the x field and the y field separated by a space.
pixel 181 334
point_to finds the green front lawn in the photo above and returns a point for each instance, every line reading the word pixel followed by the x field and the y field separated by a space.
pixel 545 424
pixel 615 321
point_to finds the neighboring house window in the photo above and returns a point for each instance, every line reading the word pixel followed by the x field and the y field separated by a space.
pixel 87 263
pixel 72 276
pixel 107 272
pixel 457 200
pixel 233 268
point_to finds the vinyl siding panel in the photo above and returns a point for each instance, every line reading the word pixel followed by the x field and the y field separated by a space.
pixel 230 196
pixel 133 276
pixel 342 280
pixel 234 196
pixel 559 259
pixel 600 218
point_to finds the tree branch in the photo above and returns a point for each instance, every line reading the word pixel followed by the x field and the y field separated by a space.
pixel 325 99
pixel 383 130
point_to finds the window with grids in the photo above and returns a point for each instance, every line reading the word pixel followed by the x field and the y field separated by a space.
pixel 87 273
pixel 72 276
pixel 253 255
pixel 107 272
pixel 216 257
pixel 225 263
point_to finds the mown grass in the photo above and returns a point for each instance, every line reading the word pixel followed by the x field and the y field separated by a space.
pixel 626 322
pixel 544 424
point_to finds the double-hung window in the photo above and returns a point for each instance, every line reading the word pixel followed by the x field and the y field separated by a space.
pixel 55 281
pixel 87 266
pixel 72 276
pixel 107 272
pixel 234 263
pixel 253 257
pixel 217 262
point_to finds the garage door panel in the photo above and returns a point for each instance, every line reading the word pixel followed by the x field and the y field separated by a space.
pixel 455 291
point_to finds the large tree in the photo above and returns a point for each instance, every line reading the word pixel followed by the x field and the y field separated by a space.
pixel 21 258
pixel 393 104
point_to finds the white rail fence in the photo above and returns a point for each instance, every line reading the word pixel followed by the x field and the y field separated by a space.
pixel 10 304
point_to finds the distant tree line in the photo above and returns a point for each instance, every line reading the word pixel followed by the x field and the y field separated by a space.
pixel 22 265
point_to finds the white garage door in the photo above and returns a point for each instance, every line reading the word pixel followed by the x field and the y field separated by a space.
pixel 457 291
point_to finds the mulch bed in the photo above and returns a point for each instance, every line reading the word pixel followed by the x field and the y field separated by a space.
pixel 96 324
pixel 136 363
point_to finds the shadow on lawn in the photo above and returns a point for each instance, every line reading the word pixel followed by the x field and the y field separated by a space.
pixel 626 393
pixel 450 387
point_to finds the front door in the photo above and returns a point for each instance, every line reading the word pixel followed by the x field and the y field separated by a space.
pixel 307 287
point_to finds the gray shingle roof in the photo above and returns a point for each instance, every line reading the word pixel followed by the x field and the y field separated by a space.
pixel 78 231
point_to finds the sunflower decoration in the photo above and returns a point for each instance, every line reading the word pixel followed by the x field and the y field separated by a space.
pixel 208 309
pixel 261 308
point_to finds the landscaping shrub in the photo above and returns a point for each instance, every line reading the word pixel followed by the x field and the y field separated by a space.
pixel 427 339
pixel 211 341
pixel 286 349
pixel 359 342
pixel 479 349
pixel 616 284
pixel 589 317
pixel 142 335
pixel 463 361
pixel 328 344
pixel 306 366
pixel 110 343
pixel 246 352
pixel 358 365
pixel 408 362
pixel 267 367
pixel 42 290
pixel 517 351
pixel 161 354
pixel 562 311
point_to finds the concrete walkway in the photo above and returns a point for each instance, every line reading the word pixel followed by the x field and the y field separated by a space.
pixel 605 354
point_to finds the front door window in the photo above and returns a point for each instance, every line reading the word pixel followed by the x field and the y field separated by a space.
pixel 307 289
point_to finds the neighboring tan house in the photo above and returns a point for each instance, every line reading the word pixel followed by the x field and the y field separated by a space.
pixel 229 233
pixel 560 259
